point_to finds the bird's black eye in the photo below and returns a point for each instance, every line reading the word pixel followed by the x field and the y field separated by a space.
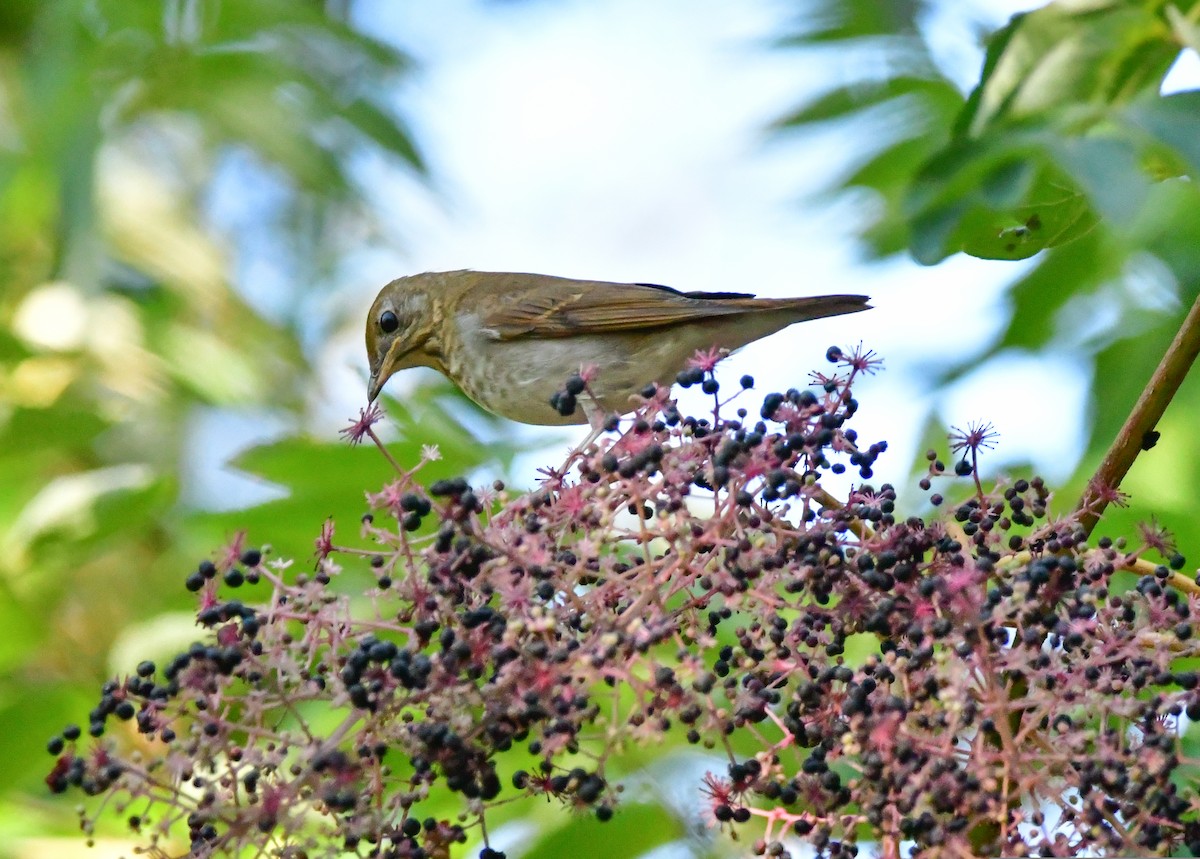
pixel 388 322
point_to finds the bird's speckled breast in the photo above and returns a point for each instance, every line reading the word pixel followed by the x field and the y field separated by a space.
pixel 507 375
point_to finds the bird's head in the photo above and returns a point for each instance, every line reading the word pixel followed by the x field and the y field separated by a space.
pixel 399 328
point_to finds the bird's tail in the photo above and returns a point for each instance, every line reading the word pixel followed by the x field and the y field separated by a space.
pixel 817 306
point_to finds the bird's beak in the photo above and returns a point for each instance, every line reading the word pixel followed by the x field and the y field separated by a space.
pixel 374 386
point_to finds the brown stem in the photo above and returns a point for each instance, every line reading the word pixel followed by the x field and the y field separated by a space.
pixel 1150 406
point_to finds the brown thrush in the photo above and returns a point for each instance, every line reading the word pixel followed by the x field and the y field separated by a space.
pixel 510 341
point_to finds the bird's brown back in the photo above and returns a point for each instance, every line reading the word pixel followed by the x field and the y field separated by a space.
pixel 514 305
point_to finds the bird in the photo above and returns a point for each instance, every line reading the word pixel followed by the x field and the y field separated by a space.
pixel 511 340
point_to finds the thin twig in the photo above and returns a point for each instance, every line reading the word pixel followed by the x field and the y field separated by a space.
pixel 1141 566
pixel 383 449
pixel 857 527
pixel 1150 406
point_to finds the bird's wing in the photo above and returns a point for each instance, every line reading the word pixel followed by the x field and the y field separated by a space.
pixel 558 307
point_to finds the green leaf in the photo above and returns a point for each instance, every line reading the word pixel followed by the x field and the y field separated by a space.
pixel 917 113
pixel 323 479
pixel 977 196
pixel 889 174
pixel 840 102
pixel 1108 171
pixel 380 127
pixel 634 830
pixel 1186 30
pixel 269 76
pixel 58 427
pixel 1037 299
pixel 23 634
pixel 1039 296
pixel 997 45
pixel 1169 229
pixel 1174 121
pixel 26 722
pixel 11 349
pixel 1124 367
pixel 1089 52
pixel 85 507
pixel 857 19
pixel 327 479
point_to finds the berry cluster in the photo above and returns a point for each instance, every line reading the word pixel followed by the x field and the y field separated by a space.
pixel 983 683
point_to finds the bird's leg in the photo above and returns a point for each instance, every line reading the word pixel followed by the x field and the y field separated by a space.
pixel 596 420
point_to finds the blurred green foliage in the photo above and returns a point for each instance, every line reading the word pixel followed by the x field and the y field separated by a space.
pixel 119 323
pixel 1065 150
